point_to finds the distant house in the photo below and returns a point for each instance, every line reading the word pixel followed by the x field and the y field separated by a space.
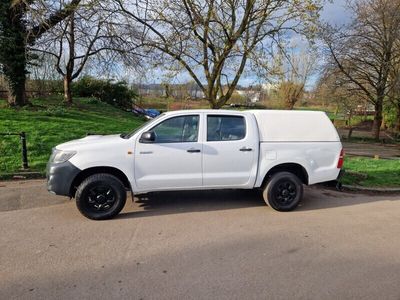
pixel 366 109
pixel 250 95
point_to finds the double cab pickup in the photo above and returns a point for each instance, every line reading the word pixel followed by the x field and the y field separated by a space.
pixel 272 150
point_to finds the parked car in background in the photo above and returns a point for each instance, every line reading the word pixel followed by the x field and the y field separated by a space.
pixel 149 113
pixel 152 113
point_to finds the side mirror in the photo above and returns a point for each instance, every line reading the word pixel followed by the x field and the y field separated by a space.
pixel 147 137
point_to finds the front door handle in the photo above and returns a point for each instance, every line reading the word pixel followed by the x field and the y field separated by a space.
pixel 146 152
pixel 244 149
pixel 193 150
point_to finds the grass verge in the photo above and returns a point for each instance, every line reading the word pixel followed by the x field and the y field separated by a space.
pixel 369 172
pixel 48 123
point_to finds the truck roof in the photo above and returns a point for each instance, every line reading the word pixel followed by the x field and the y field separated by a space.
pixel 284 125
pixel 218 111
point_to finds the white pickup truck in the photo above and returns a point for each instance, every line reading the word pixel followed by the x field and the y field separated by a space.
pixel 276 151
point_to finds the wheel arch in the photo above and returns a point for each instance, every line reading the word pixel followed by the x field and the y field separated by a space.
pixel 96 170
pixel 294 168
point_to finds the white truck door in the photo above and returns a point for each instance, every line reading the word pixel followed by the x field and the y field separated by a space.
pixel 230 151
pixel 173 159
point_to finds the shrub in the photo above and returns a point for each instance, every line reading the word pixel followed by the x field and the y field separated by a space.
pixel 115 93
pixel 389 116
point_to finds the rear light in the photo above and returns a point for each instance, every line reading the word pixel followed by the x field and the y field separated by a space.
pixel 341 159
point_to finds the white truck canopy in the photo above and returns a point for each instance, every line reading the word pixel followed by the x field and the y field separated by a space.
pixel 294 126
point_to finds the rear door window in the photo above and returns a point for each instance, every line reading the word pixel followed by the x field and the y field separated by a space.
pixel 225 128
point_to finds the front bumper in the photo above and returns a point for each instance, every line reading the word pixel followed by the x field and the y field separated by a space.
pixel 60 177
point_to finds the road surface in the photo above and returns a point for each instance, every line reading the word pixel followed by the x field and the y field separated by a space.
pixel 201 245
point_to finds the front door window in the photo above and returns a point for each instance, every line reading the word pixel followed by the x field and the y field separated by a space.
pixel 177 130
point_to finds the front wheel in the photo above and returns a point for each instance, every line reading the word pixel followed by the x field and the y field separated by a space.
pixel 100 197
pixel 283 191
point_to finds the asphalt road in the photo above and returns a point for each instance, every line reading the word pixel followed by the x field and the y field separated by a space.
pixel 202 245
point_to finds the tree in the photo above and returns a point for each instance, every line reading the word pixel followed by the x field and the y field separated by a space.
pixel 85 34
pixel 21 24
pixel 394 92
pixel 331 89
pixel 364 49
pixel 213 40
pixel 290 92
pixel 294 72
pixel 42 77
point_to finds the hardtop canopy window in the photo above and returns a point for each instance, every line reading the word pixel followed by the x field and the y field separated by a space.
pixel 225 128
pixel 179 129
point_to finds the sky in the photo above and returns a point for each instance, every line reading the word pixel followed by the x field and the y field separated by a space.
pixel 335 12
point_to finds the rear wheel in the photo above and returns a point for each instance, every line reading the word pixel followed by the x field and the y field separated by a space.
pixel 283 191
pixel 100 197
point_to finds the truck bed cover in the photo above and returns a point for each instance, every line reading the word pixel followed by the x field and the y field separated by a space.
pixel 294 126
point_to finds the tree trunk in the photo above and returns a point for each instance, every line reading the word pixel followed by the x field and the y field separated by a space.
pixel 17 94
pixel 213 105
pixel 13 51
pixel 290 104
pixel 212 98
pixel 376 127
pixel 69 69
pixel 398 117
pixel 350 133
pixel 67 89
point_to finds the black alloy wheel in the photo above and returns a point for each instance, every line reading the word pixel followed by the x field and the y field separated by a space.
pixel 283 192
pixel 100 196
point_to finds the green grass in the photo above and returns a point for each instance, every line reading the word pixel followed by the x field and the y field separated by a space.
pixel 369 172
pixel 48 123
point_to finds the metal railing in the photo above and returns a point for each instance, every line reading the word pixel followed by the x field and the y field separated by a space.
pixel 22 137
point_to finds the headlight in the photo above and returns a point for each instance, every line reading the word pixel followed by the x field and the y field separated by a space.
pixel 59 156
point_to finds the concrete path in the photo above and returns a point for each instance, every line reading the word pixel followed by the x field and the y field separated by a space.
pixel 204 245
pixel 26 194
pixel 370 150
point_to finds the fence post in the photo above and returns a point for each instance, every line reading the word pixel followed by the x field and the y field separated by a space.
pixel 24 150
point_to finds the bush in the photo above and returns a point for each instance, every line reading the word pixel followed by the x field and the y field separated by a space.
pixel 389 116
pixel 115 93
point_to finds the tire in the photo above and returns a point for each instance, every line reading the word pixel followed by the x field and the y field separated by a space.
pixel 283 192
pixel 100 197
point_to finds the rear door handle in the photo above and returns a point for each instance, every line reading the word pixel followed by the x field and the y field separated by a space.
pixel 193 150
pixel 244 149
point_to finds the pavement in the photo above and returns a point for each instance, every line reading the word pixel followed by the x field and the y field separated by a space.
pixel 388 151
pixel 201 245
pixel 22 194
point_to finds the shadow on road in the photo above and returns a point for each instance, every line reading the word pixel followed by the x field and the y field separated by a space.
pixel 161 203
pixel 315 198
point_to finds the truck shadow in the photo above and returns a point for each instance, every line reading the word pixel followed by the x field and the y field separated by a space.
pixel 160 203
pixel 315 198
